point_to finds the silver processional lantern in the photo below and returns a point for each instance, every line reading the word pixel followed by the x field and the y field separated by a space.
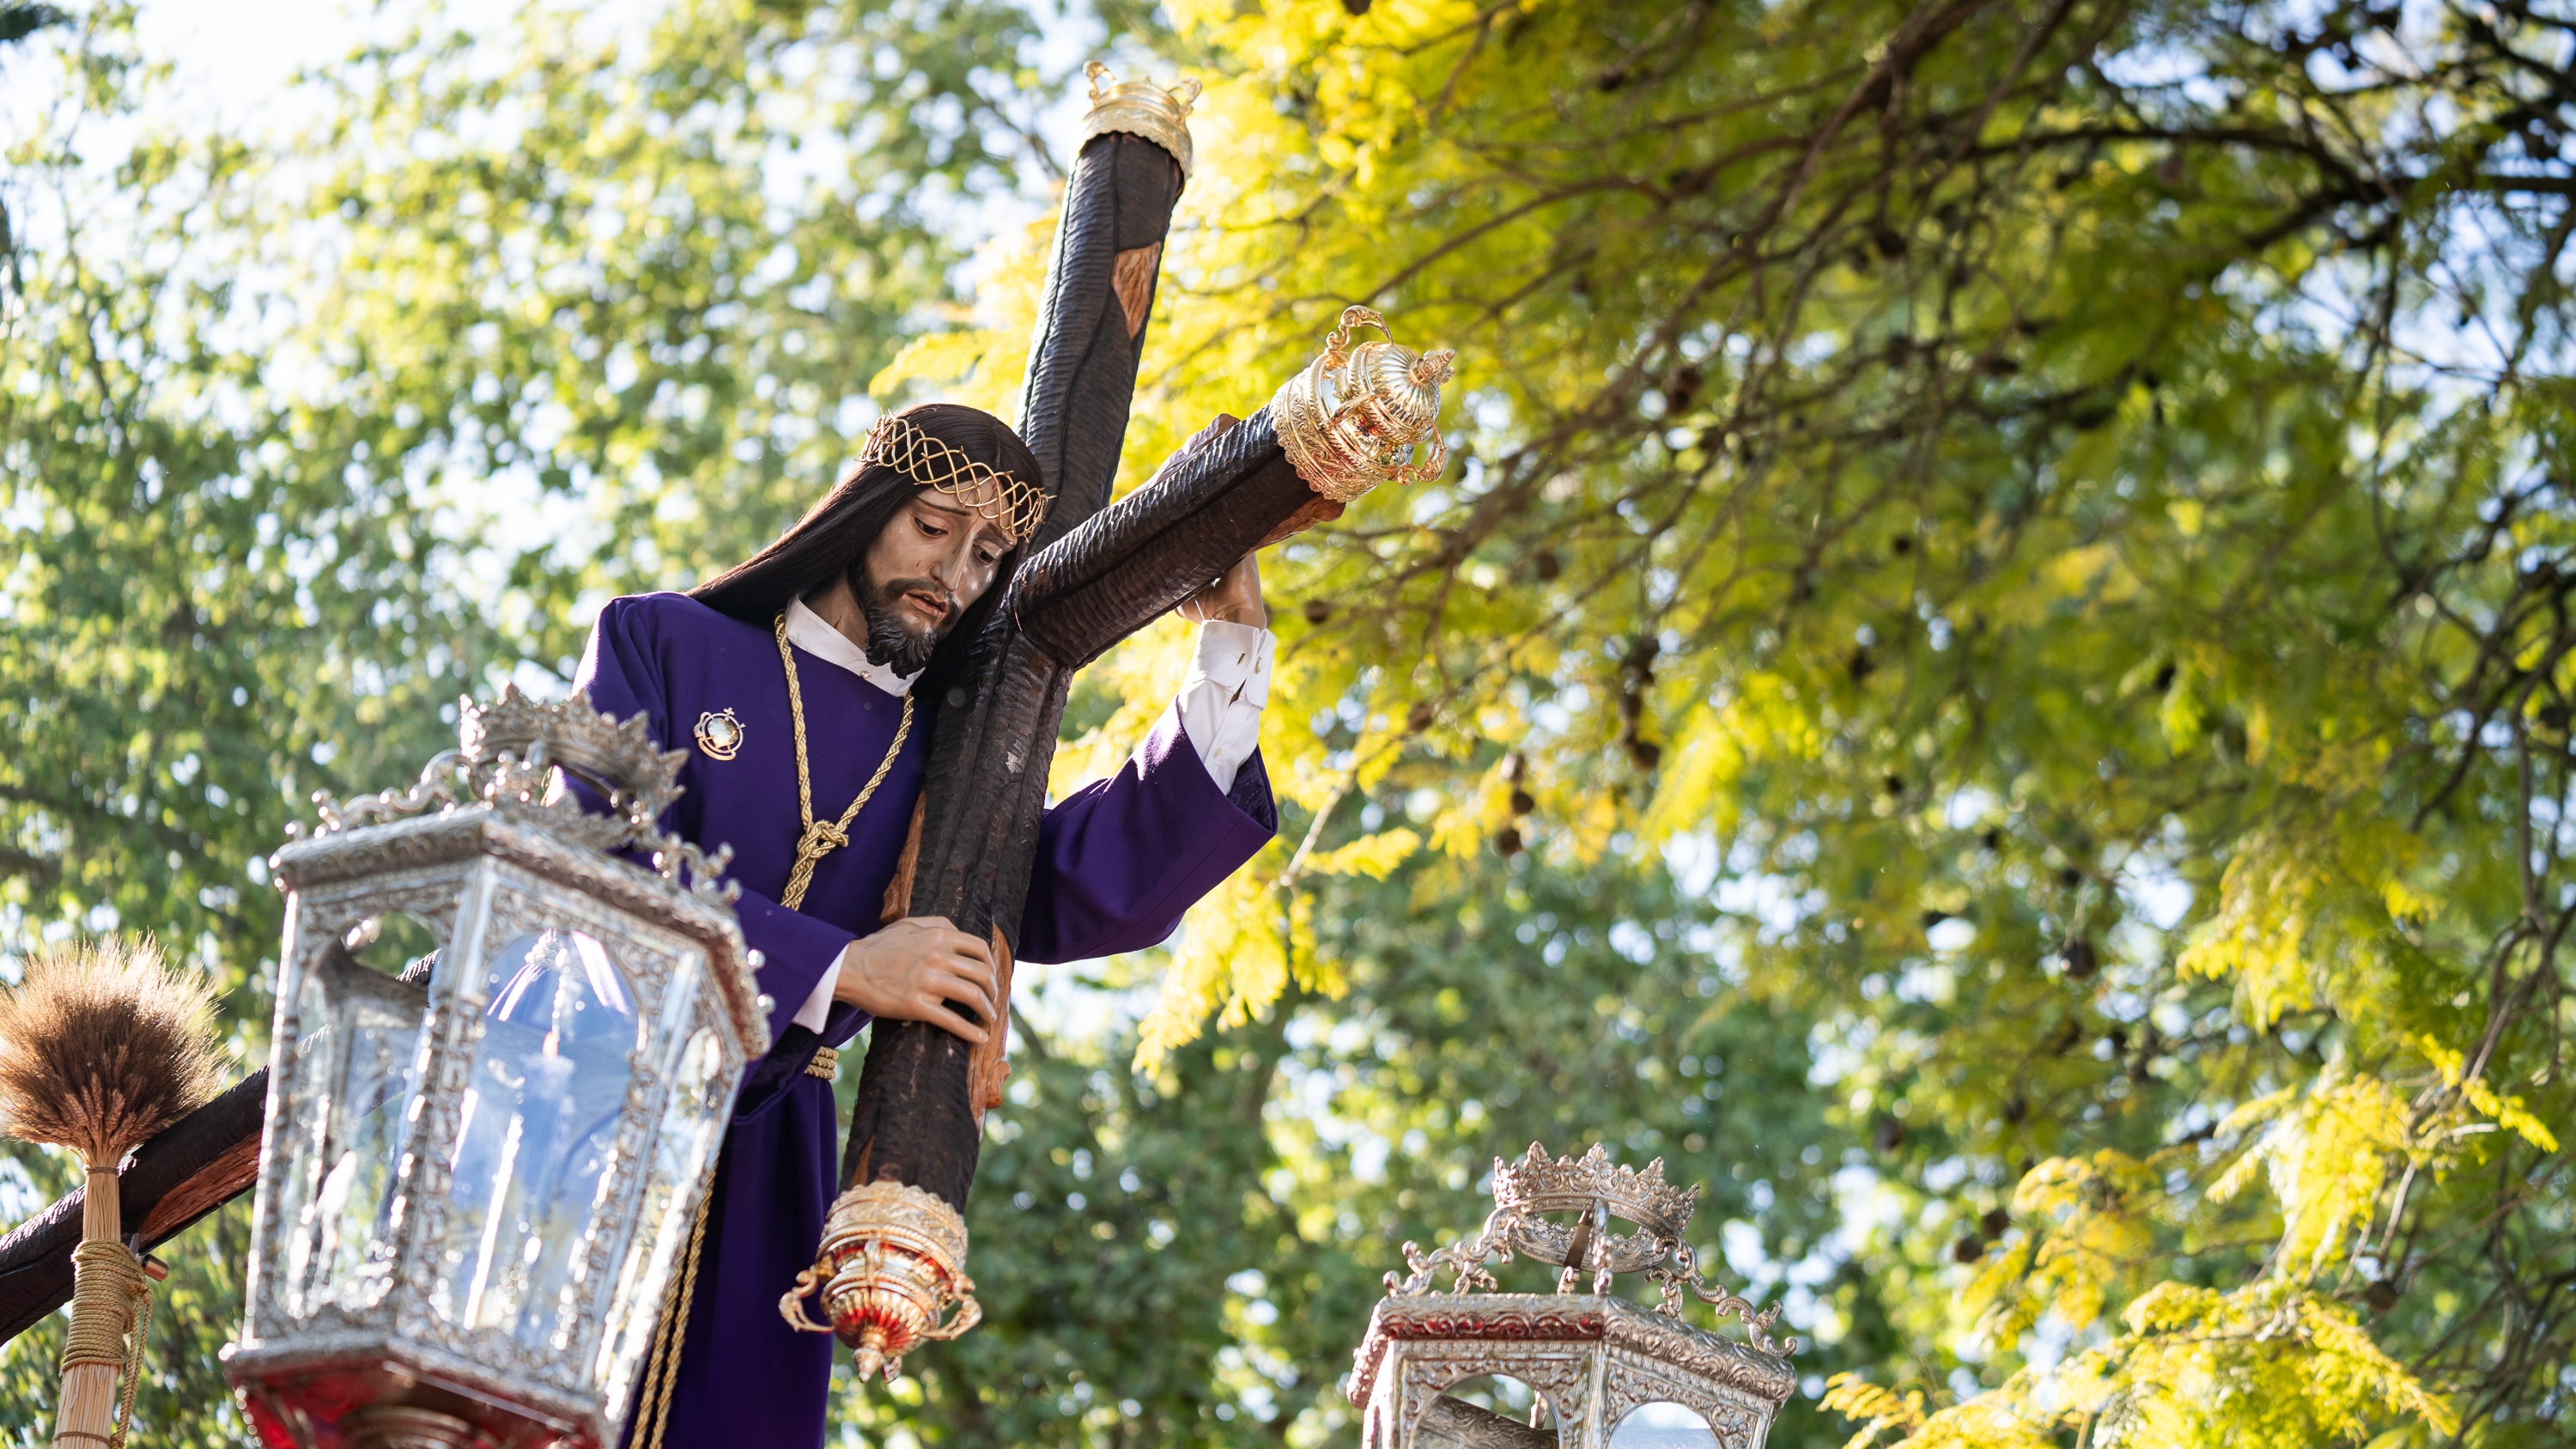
pixel 1604 1372
pixel 477 1174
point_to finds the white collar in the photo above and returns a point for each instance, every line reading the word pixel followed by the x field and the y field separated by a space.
pixel 810 632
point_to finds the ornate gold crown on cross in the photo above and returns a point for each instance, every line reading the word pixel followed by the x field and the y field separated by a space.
pixel 1160 114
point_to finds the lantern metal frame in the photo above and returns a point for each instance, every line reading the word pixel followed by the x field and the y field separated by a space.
pixel 1592 1357
pixel 491 847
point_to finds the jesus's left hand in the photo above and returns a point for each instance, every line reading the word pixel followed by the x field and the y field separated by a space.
pixel 1234 597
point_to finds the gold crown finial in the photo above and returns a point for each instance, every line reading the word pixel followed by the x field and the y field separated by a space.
pixel 1352 419
pixel 1160 114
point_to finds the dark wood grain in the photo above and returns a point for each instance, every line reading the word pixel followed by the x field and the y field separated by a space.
pixel 196 1165
pixel 1095 576
pixel 1213 502
pixel 914 1119
pixel 1203 510
pixel 1082 365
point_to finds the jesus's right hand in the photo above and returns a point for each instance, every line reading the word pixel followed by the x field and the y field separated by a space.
pixel 913 969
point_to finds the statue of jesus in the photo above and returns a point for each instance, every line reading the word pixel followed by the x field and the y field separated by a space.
pixel 802 683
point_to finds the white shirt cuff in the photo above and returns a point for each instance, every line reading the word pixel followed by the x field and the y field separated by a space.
pixel 819 1005
pixel 1222 696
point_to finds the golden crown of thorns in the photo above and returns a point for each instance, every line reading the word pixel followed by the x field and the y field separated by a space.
pixel 1014 506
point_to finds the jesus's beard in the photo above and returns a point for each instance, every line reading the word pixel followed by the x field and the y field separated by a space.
pixel 890 643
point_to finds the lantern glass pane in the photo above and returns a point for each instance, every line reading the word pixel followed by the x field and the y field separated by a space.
pixel 356 1062
pixel 1663 1425
pixel 536 1133
pixel 701 1093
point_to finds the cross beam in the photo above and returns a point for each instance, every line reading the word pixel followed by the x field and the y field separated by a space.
pixel 891 1266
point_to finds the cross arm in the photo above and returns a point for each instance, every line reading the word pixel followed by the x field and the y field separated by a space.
pixel 1229 493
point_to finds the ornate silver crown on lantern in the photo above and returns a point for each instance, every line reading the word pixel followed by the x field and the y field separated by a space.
pixel 1592 1357
pixel 1352 419
pixel 514 755
pixel 1160 114
pixel 1595 1190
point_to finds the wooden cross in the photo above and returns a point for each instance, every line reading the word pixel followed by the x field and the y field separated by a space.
pixel 1093 576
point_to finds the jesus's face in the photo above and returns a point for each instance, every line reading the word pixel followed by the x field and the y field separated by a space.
pixel 933 560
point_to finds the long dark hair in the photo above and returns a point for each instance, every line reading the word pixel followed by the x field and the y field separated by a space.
pixel 835 533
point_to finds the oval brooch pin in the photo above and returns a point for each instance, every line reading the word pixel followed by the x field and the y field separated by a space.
pixel 719 734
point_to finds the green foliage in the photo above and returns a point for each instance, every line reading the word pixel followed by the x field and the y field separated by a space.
pixel 2052 516
pixel 2066 503
pixel 1205 1243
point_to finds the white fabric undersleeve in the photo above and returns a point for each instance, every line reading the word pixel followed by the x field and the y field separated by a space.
pixel 1222 696
pixel 819 1005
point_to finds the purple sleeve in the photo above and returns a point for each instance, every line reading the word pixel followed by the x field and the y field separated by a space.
pixel 621 671
pixel 1120 859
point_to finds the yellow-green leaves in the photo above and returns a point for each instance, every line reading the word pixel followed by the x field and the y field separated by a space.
pixel 2305 910
pixel 1877 1410
pixel 2505 1112
pixel 1370 855
pixel 2268 1366
pixel 2088 1233
pixel 2324 1153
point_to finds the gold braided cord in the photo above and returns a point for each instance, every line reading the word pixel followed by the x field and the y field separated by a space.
pixel 821 838
pixel 111 1298
pixel 662 1363
pixel 1009 503
pixel 826 1063
pixel 662 1367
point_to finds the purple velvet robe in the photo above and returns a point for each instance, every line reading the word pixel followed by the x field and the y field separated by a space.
pixel 1118 862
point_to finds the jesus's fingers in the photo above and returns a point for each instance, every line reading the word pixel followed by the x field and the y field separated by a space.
pixel 968 959
pixel 937 1014
pixel 951 984
pixel 958 943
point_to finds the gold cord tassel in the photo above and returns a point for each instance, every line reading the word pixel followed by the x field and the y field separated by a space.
pixel 822 837
pixel 662 1366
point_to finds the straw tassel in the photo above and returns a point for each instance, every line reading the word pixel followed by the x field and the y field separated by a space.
pixel 101 1046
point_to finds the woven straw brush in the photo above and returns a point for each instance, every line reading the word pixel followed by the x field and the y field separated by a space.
pixel 101 1046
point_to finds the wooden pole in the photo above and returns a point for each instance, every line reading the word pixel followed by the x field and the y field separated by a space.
pixel 916 1122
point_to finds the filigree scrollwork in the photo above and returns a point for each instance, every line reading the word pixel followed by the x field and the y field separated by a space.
pixel 1596 1192
pixel 515 756
pixel 1684 1274
pixel 1466 1257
